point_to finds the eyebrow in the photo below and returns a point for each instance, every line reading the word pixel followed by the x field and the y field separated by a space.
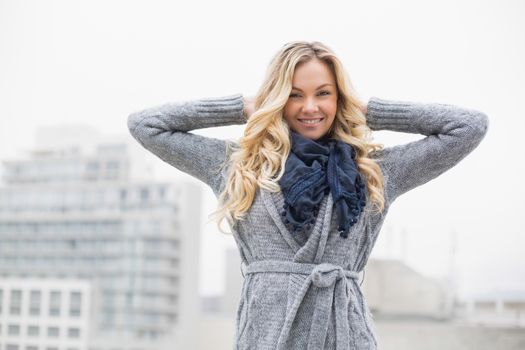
pixel 295 88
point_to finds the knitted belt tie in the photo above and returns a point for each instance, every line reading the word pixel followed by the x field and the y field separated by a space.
pixel 332 283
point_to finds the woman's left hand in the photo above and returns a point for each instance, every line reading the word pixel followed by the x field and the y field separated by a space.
pixel 249 106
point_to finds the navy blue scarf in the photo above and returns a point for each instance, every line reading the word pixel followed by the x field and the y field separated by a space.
pixel 314 168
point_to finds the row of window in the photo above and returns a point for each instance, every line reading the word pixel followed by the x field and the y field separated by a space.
pixel 79 227
pixel 35 302
pixel 106 263
pixel 73 198
pixel 10 346
pixel 115 208
pixel 34 331
pixel 31 347
pixel 88 244
pixel 61 166
pixel 86 230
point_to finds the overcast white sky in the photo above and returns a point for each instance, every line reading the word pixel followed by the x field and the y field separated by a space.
pixel 95 62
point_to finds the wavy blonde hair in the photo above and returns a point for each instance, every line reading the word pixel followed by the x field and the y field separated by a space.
pixel 260 156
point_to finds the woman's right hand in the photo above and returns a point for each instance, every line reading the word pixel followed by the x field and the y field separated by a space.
pixel 364 108
pixel 249 106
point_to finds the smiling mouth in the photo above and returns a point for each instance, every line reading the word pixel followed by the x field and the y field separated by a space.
pixel 311 121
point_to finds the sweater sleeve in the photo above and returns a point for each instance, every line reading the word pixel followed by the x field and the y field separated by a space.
pixel 164 131
pixel 451 134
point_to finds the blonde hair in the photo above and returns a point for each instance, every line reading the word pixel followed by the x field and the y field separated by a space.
pixel 260 157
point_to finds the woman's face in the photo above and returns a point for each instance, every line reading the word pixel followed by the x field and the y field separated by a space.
pixel 311 107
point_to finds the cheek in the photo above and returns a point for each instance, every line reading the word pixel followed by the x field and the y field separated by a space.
pixel 331 107
pixel 289 111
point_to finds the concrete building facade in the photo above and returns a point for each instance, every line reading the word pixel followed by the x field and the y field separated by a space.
pixel 44 314
pixel 70 216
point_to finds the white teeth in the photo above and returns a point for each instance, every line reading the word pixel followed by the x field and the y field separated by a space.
pixel 312 121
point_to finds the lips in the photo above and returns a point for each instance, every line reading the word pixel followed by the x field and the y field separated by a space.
pixel 310 121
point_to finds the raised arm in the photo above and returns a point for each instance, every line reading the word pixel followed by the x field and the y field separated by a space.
pixel 451 134
pixel 163 130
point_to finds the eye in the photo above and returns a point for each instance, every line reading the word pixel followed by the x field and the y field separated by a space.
pixel 324 92
pixel 294 95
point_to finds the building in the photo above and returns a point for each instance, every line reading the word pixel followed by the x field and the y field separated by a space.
pixel 504 309
pixel 44 314
pixel 408 309
pixel 394 290
pixel 234 281
pixel 70 215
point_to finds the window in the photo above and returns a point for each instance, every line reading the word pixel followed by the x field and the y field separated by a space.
pixel 73 333
pixel 152 334
pixel 75 303
pixel 11 347
pixel 53 332
pixel 34 302
pixel 93 166
pixel 144 195
pixel 54 303
pixel 15 302
pixel 172 318
pixel 13 329
pixel 112 165
pixel 1 298
pixel 31 347
pixel 33 331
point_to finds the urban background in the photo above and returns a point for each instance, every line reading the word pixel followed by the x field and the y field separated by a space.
pixel 103 246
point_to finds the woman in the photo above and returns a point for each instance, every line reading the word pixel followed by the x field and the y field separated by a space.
pixel 304 189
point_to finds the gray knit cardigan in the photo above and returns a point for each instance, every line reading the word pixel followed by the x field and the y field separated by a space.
pixel 302 291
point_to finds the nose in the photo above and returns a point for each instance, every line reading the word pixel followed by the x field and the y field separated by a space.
pixel 310 106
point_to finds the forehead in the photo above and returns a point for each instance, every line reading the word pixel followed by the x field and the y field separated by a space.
pixel 312 74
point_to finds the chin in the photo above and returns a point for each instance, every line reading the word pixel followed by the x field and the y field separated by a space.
pixel 311 135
